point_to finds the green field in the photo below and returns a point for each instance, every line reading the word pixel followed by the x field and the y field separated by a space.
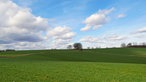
pixel 99 65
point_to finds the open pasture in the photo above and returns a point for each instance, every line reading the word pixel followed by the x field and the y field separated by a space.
pixel 99 65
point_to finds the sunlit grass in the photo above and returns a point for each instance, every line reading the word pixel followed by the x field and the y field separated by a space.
pixel 101 65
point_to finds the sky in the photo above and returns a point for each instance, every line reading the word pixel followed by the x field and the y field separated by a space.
pixel 55 24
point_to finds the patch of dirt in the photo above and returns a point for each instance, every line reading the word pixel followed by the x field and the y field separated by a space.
pixel 13 56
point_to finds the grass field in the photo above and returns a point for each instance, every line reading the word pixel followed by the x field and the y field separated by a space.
pixel 100 65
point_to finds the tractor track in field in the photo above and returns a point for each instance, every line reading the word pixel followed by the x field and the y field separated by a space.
pixel 19 55
pixel 13 56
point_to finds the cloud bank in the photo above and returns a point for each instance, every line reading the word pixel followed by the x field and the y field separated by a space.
pixel 21 29
pixel 19 25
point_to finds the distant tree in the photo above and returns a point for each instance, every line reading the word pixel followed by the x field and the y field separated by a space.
pixel 123 45
pixel 9 50
pixel 69 47
pixel 144 43
pixel 129 44
pixel 77 46
pixel 2 50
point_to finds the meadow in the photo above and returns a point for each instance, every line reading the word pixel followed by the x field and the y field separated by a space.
pixel 97 65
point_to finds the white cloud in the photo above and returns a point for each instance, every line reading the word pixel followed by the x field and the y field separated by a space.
pixel 103 38
pixel 121 16
pixel 97 20
pixel 20 29
pixel 89 39
pixel 61 33
pixel 139 34
pixel 107 40
pixel 19 24
pixel 141 30
pixel 24 46
pixel 114 37
pixel 61 36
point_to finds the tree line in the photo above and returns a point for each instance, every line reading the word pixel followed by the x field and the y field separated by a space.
pixel 77 46
pixel 134 45
pixel 7 50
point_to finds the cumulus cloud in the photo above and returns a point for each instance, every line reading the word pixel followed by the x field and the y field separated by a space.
pixel 20 29
pixel 61 32
pixel 121 16
pixel 19 24
pixel 97 20
pixel 61 36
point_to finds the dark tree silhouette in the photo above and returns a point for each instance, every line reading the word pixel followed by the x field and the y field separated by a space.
pixel 69 47
pixel 123 45
pixel 129 44
pixel 77 46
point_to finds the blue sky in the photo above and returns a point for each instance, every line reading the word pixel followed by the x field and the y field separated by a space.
pixel 94 23
pixel 73 12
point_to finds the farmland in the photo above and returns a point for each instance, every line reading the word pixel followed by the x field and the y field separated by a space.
pixel 99 65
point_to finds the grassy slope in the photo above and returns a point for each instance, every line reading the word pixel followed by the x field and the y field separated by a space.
pixel 103 65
